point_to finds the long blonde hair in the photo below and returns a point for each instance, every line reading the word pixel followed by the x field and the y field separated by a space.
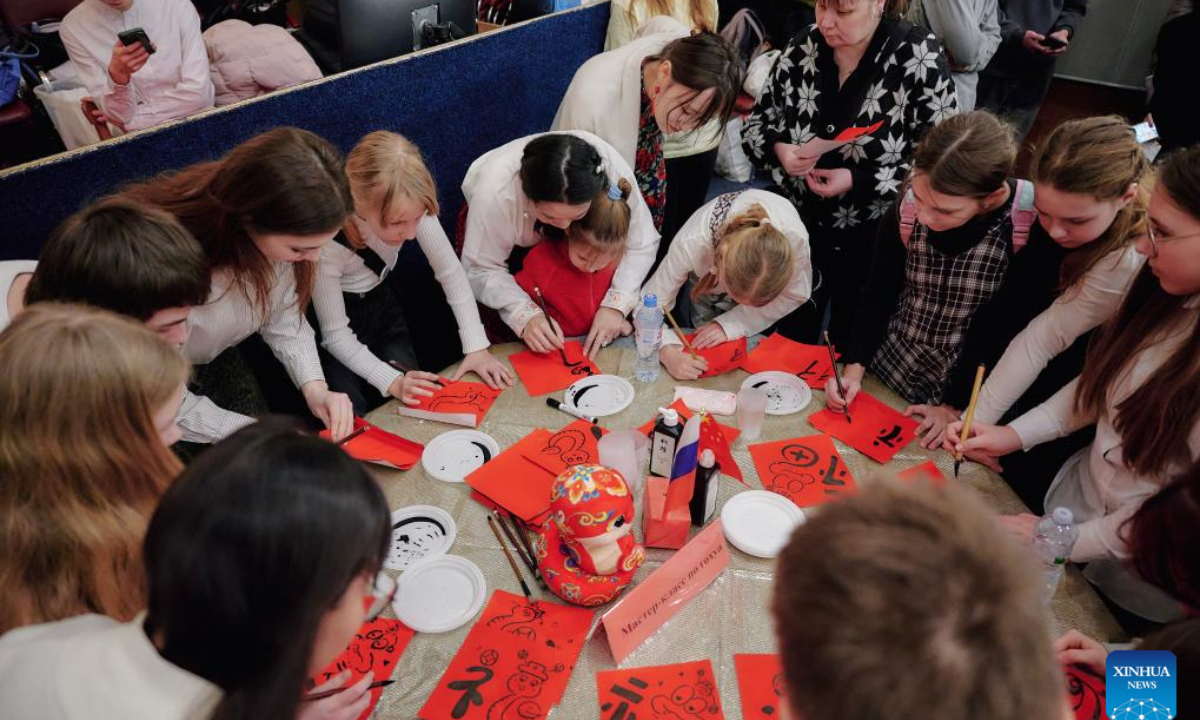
pixel 383 168
pixel 754 255
pixel 81 460
pixel 1100 157
pixel 702 12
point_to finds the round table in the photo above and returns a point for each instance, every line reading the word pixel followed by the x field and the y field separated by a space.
pixel 729 617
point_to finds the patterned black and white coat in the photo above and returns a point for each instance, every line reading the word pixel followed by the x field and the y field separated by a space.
pixel 903 81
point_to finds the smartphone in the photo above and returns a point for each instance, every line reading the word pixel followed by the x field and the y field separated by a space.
pixel 131 36
pixel 1053 43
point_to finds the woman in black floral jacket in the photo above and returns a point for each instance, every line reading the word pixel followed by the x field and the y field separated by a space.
pixel 857 66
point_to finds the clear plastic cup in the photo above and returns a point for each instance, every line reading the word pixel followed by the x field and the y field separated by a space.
pixel 751 409
pixel 627 452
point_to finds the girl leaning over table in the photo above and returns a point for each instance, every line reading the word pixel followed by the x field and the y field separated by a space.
pixel 533 188
pixel 860 64
pixel 1140 385
pixel 743 262
pixel 363 330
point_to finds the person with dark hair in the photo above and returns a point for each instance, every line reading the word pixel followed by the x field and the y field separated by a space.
pixel 229 633
pixel 118 255
pixel 666 84
pixel 1176 90
pixel 1164 533
pixel 533 188
pixel 859 66
pixel 1140 386
pixel 262 213
pixel 1033 34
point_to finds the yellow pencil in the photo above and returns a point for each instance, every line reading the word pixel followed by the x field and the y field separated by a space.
pixel 969 415
pixel 679 332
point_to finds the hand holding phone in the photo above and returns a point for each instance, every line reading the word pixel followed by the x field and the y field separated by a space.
pixel 130 53
pixel 1054 43
pixel 134 35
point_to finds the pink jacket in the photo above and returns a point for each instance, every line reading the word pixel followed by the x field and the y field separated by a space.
pixel 249 60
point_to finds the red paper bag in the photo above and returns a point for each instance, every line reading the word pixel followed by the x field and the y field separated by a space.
pixel 664 524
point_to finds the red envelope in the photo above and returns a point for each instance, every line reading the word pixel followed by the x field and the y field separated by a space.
pixel 377 647
pixel 807 362
pixel 665 520
pixel 723 358
pixel 807 470
pixel 877 431
pixel 685 414
pixel 459 403
pixel 927 470
pixel 516 484
pixel 576 444
pixel 760 683
pixel 683 691
pixel 514 663
pixel 381 447
pixel 1086 693
pixel 543 373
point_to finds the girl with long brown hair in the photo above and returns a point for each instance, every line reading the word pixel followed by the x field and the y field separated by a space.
pixel 745 255
pixel 262 213
pixel 84 457
pixel 356 297
pixel 1140 386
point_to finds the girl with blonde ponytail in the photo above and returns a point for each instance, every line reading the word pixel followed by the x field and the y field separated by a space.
pixel 746 255
pixel 356 301
pixel 574 273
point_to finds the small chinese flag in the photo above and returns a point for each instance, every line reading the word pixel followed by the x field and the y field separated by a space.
pixel 711 438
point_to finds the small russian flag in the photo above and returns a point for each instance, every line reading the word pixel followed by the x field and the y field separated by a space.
pixel 687 454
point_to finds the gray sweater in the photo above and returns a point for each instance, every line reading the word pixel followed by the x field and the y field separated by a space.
pixel 969 31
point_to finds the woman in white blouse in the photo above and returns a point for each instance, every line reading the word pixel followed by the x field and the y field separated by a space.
pixel 262 214
pixel 395 200
pixel 746 256
pixel 538 185
pixel 1140 386
pixel 227 633
pixel 1088 176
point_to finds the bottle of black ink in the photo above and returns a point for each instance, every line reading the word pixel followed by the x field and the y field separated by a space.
pixel 704 493
pixel 664 440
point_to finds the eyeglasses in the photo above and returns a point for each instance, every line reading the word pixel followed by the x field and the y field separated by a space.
pixel 1154 241
pixel 383 589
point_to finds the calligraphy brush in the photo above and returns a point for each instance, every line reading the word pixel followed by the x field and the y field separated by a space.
pixel 679 333
pixel 337 691
pixel 969 415
pixel 542 301
pixel 439 382
pixel 511 563
pixel 523 550
pixel 353 435
pixel 520 530
pixel 837 377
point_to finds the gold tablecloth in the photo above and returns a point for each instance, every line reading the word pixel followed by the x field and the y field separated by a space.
pixel 730 616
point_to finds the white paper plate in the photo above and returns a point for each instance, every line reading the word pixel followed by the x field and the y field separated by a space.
pixel 786 393
pixel 600 395
pixel 440 594
pixel 419 532
pixel 452 456
pixel 760 523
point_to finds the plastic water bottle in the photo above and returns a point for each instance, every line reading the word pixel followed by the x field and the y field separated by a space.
pixel 647 329
pixel 1052 542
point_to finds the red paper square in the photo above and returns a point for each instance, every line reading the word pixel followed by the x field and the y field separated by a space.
pixel 760 684
pixel 377 647
pixel 543 373
pixel 723 358
pixel 807 470
pixel 461 403
pixel 876 429
pixel 576 444
pixel 810 363
pixel 927 471
pixel 381 447
pixel 515 483
pixel 683 691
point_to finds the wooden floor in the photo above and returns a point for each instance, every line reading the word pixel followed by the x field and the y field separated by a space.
pixel 1071 99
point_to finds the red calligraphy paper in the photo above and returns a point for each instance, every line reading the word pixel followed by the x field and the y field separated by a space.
pixel 376 648
pixel 1085 693
pixel 514 663
pixel 381 447
pixel 807 470
pixel 458 403
pixel 810 363
pixel 723 358
pixel 760 683
pixel 685 414
pixel 876 430
pixel 683 691
pixel 543 373
pixel 515 483
pixel 927 471
pixel 576 444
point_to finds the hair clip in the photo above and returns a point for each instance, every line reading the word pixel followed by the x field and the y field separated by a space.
pixel 764 221
pixel 614 192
